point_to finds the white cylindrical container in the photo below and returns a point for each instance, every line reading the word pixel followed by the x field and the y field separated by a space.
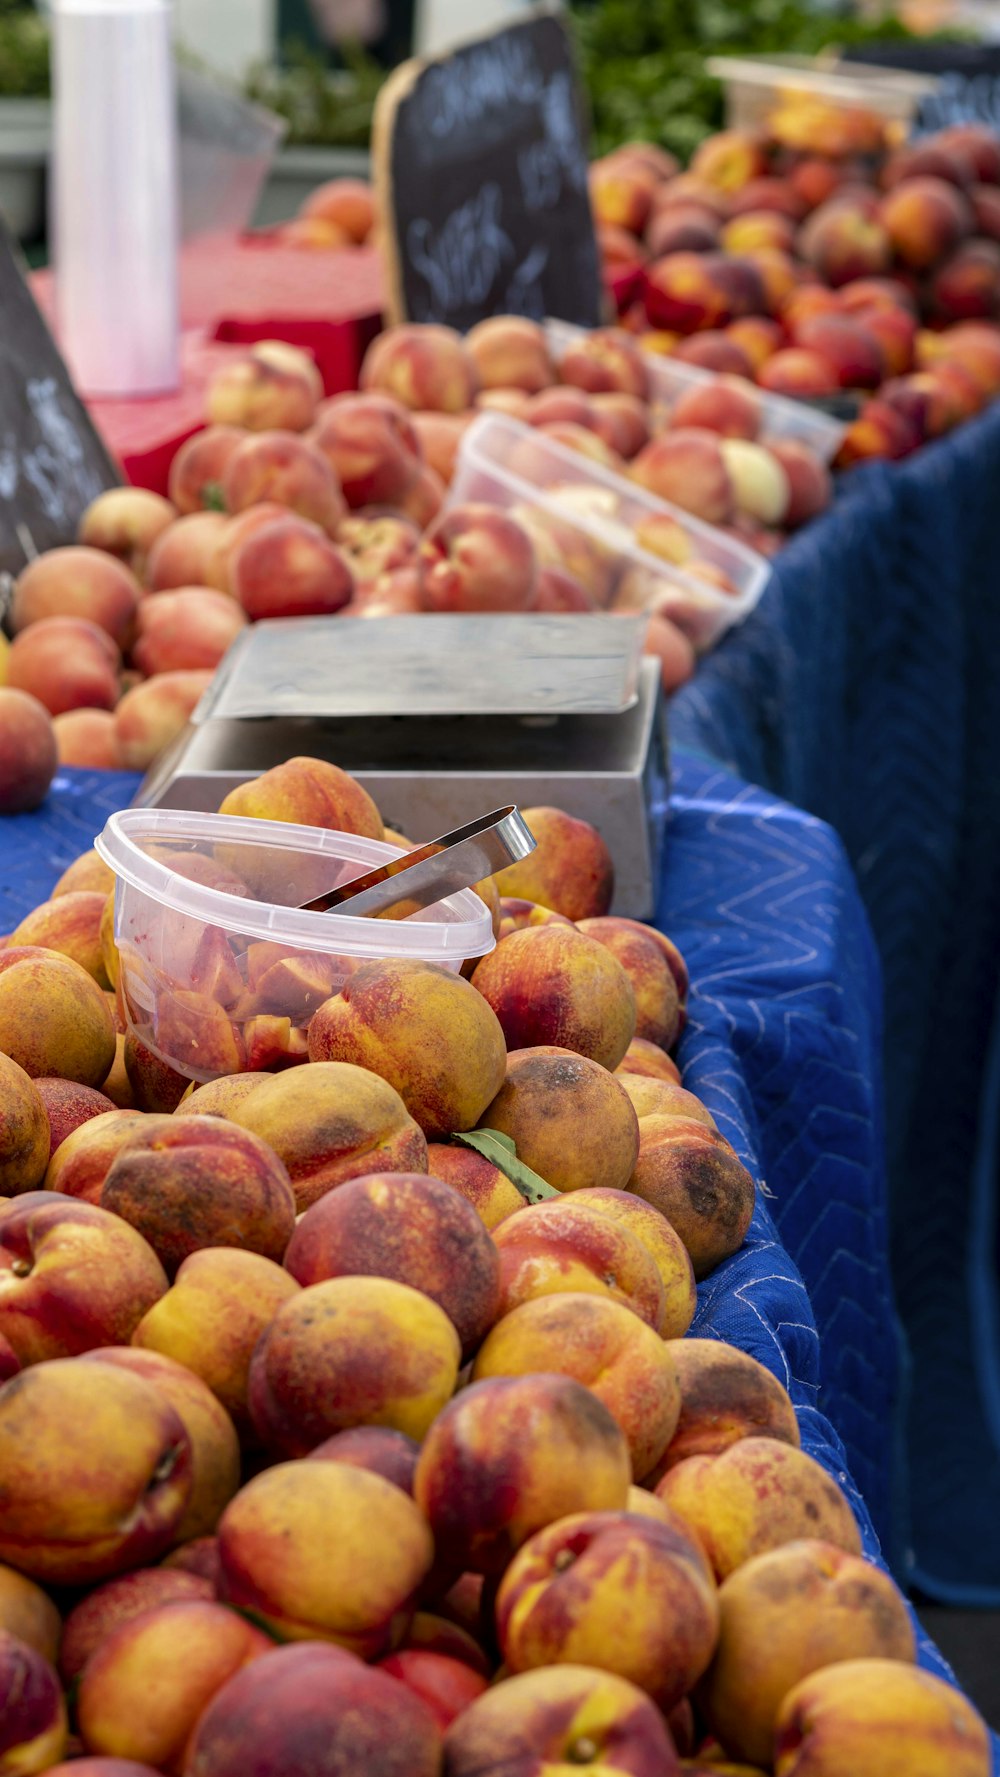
pixel 113 195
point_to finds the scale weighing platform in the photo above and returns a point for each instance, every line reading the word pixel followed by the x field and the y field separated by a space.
pixel 441 717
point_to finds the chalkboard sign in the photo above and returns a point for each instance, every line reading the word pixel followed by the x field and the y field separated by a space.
pixel 52 462
pixel 967 75
pixel 481 174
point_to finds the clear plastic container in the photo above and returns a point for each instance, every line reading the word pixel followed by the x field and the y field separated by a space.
pixel 756 84
pixel 670 378
pixel 221 970
pixel 590 520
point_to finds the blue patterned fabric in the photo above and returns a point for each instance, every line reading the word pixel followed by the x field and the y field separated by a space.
pixel 866 688
pixel 782 1044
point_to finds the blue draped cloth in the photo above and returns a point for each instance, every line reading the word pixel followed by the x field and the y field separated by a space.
pixel 782 1044
pixel 866 689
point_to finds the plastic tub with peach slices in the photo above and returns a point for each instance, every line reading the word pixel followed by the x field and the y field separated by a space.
pixel 670 378
pixel 622 543
pixel 220 968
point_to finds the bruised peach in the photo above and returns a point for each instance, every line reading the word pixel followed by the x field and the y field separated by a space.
pixel 649 1060
pixel 557 1247
pixel 869 1715
pixel 193 1182
pixel 511 1455
pixel 664 1246
pixel 726 1395
pixel 424 1030
pixel 329 1122
pixel 314 1709
pixel 123 1461
pixel 787 1614
pixel 691 1175
pixel 352 1351
pixel 597 1342
pixel 549 985
pixel 71 925
pixel 755 1496
pixel 212 1316
pixel 106 1609
pixel 54 1021
pixel 547 1096
pixel 24 1131
pixel 297 1548
pixel 625 1590
pixel 491 1193
pixel 410 1227
pixel 429 369
pixel 67 1106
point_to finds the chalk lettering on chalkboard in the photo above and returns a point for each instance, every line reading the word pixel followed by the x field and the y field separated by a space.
pixel 961 98
pixel 491 79
pixel 461 260
pixel 524 294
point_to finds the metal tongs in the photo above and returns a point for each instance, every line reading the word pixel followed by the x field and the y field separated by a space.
pixel 441 867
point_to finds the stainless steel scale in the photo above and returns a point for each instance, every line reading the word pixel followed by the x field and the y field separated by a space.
pixel 441 717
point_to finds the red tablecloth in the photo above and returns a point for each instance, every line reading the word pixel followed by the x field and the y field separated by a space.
pixel 232 293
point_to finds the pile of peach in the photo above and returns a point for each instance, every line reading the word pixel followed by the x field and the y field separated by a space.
pixel 815 261
pixel 336 215
pixel 325 1449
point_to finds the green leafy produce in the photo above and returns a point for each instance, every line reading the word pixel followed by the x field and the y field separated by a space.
pixel 24 54
pixel 643 61
pixel 329 108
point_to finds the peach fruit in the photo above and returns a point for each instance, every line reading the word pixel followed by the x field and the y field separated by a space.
pixel 279 467
pixel 97 1471
pixel 753 229
pixel 491 1193
pixel 799 373
pixel 516 914
pixel 80 1165
pixel 311 792
pixel 621 193
pixel 558 1719
pixel 54 1019
pixel 681 228
pixel 100 1767
pixel 755 1496
pixel 648 1059
pixel 87 871
pixel 729 160
pixel 967 286
pixel 212 1316
pixel 810 488
pixel 760 486
pixel 69 925
pixel 329 1122
pixel 156 1086
pixel 196 471
pixel 125 522
pixel 29 1613
pixel 509 1456
pixel 622 421
pixel 185 630
pixel 597 1342
pixel 24 1130
pixel 547 1096
pixel 842 243
pixel 714 350
pixel 106 1609
pixel 376 544
pixel 653 1096
pixel 478 558
pixel 758 337
pixel 584 442
pixel 67 663
pixel 274 386
pixel 33 1723
pixel 67 1106
pixel 687 468
pixel 409 1227
pixel 510 353
pixel 72 1277
pixel 446 1685
pixel 182 555
pixel 28 751
pixel 622 1589
pixel 879 431
pixel 229 537
pixel 571 870
pixel 349 203
pixel 727 406
pixel 548 985
pixel 145 1687
pixel 605 362
pixel 424 1030
pixel 692 1176
pixel 787 1614
pixel 666 1249
pixel 377 1448
pixel 424 499
pixel 358 1350
pixel 288 568
pixel 640 951
pixel 77 582
pixel 878 1718
pixel 296 1548
pixel 688 292
pixel 315 1710
pixel 559 1247
pixel 153 713
pixel 726 1395
pixel 428 369
pixel 372 447
pixel 925 219
pixel 558 591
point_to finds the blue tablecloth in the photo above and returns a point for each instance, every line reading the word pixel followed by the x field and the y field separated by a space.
pixel 866 688
pixel 782 1044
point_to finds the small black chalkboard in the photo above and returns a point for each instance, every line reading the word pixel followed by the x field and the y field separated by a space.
pixel 52 462
pixel 481 173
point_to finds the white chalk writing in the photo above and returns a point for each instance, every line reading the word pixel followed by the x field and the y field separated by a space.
pixel 462 91
pixel 461 260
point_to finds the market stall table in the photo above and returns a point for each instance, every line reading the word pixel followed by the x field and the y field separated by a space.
pixel 864 688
